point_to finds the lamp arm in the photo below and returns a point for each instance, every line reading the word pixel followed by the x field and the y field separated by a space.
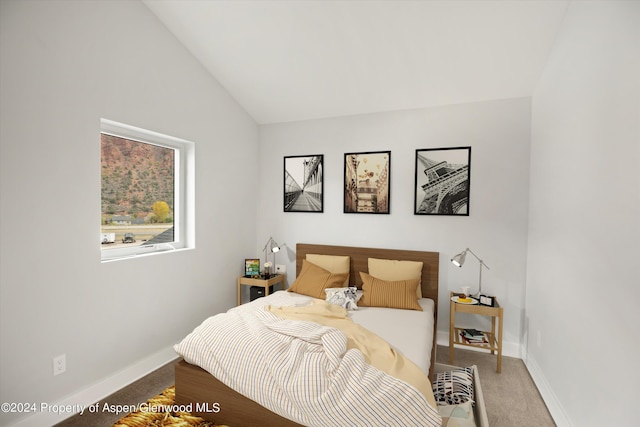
pixel 269 241
pixel 479 260
pixel 482 264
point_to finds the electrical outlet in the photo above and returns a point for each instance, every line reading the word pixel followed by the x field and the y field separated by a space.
pixel 280 269
pixel 59 364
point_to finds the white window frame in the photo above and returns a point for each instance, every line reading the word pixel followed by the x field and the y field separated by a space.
pixel 184 190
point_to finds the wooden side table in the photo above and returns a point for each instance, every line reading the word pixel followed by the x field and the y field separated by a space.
pixel 265 283
pixel 494 342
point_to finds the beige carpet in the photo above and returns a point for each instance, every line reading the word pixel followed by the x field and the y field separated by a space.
pixel 511 397
pixel 138 392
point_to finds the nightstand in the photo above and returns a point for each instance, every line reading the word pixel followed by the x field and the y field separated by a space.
pixel 493 341
pixel 261 281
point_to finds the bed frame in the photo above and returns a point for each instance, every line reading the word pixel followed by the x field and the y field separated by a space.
pixel 196 387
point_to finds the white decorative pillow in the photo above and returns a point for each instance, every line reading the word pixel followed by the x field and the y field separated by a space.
pixel 336 264
pixel 392 270
pixel 344 297
pixel 359 292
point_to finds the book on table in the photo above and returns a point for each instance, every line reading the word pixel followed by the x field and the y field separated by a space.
pixel 473 340
pixel 473 333
pixel 473 336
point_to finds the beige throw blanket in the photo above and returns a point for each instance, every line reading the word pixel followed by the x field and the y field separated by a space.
pixel 377 352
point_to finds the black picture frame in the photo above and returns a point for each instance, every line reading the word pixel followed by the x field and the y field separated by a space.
pixel 442 181
pixel 252 267
pixel 304 183
pixel 367 186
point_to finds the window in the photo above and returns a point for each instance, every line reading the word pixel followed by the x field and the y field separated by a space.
pixel 147 192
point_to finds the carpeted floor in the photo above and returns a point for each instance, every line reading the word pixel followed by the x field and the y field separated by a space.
pixel 511 398
pixel 138 392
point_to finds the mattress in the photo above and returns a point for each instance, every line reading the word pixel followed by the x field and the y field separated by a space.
pixel 408 331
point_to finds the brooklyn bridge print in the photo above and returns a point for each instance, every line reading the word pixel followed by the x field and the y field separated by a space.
pixel 442 181
pixel 303 183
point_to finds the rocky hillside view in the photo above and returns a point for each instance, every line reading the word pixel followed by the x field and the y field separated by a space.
pixel 134 176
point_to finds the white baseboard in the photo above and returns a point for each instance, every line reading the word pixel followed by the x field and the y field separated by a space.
pixel 550 399
pixel 102 389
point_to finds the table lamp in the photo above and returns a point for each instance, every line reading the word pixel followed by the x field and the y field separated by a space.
pixel 458 261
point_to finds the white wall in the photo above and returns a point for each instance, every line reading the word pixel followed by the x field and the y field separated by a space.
pixel 582 281
pixel 497 131
pixel 64 66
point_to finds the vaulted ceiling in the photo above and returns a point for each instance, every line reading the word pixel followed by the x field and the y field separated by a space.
pixel 288 60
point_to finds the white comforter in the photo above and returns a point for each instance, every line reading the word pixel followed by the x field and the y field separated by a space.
pixel 301 370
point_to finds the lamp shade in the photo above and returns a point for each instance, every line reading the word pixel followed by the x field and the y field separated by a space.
pixel 458 260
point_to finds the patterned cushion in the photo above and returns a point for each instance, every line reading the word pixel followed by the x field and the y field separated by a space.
pixel 344 297
pixel 453 387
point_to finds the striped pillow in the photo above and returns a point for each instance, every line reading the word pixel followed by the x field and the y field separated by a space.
pixel 389 294
pixel 313 280
pixel 389 269
pixel 332 263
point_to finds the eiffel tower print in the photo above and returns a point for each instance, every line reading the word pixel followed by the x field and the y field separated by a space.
pixel 442 181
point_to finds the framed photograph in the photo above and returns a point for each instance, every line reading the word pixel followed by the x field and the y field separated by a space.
pixel 442 184
pixel 487 300
pixel 251 267
pixel 303 183
pixel 366 182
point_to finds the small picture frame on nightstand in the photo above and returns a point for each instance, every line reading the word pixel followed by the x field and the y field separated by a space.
pixel 252 268
pixel 486 300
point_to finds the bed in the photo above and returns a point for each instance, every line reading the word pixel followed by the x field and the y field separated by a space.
pixel 211 399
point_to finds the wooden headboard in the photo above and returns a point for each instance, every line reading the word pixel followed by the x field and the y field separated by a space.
pixel 360 261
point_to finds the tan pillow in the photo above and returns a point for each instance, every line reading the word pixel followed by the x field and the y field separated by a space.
pixel 390 269
pixel 333 263
pixel 390 294
pixel 313 280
